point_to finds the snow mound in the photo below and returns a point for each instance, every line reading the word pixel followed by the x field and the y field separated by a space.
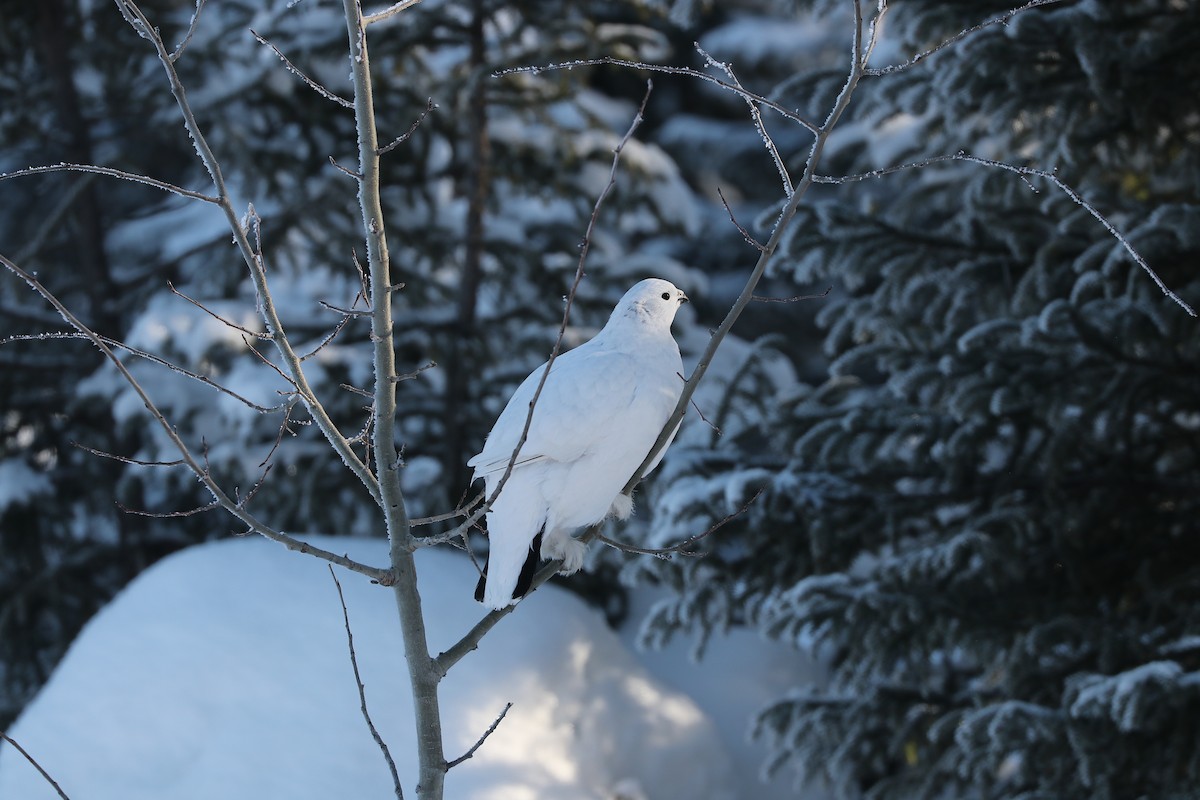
pixel 223 672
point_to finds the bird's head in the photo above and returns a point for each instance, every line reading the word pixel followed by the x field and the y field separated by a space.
pixel 651 302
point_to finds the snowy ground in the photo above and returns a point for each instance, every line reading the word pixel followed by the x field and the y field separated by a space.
pixel 222 672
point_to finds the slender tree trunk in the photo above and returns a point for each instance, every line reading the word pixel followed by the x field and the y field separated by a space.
pixel 463 338
pixel 423 675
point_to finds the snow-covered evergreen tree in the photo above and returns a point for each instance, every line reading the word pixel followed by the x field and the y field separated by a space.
pixel 984 518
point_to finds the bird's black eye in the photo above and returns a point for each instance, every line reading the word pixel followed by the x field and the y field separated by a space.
pixel 666 295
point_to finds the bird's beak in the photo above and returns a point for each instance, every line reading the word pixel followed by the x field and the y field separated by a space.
pixel 683 298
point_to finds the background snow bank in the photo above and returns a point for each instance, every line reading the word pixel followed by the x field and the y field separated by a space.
pixel 223 672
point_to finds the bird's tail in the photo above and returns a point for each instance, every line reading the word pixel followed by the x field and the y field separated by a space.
pixel 524 579
pixel 514 535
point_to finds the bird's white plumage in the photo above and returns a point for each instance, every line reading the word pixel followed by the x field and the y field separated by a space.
pixel 595 420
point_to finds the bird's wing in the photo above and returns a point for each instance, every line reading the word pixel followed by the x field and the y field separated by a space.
pixel 586 390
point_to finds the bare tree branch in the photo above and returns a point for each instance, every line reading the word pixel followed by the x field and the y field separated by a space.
pixel 756 116
pixel 1003 19
pixel 389 12
pixel 750 240
pixel 688 71
pixel 680 548
pixel 191 31
pixel 138 21
pixel 491 729
pixel 36 765
pixel 216 316
pixel 207 381
pixel 111 173
pixel 362 691
pixel 423 677
pixel 1025 173
pixel 201 471
pixel 191 512
pixel 127 459
pixel 798 298
pixel 299 73
pixel 387 148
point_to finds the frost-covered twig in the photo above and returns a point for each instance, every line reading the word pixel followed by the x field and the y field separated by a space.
pixel 1025 173
pixel 252 256
pixel 96 169
pixel 216 316
pixel 756 116
pixel 191 31
pixel 389 12
pixel 853 76
pixel 362 691
pixel 36 765
pixel 299 73
pixel 667 70
pixel 479 743
pixel 207 381
pixel 1003 19
pixel 199 470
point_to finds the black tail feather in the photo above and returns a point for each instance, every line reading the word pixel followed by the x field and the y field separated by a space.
pixel 525 579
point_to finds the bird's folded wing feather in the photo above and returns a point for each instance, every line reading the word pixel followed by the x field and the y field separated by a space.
pixel 586 392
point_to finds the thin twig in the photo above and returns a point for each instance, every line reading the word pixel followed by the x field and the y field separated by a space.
pixel 191 512
pixel 35 764
pixel 680 548
pixel 216 316
pixel 191 31
pixel 383 576
pixel 1025 173
pixel 299 73
pixel 207 381
pixel 390 11
pixel 362 690
pixel 95 169
pixel 138 21
pixel 750 240
pixel 325 342
pixel 491 729
pixel 756 116
pixel 127 459
pixel 798 298
pixel 666 70
pixel 408 376
pixel 455 514
pixel 404 137
pixel 1003 19
pixel 356 175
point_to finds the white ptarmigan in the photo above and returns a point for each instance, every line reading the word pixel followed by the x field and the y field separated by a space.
pixel 599 413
